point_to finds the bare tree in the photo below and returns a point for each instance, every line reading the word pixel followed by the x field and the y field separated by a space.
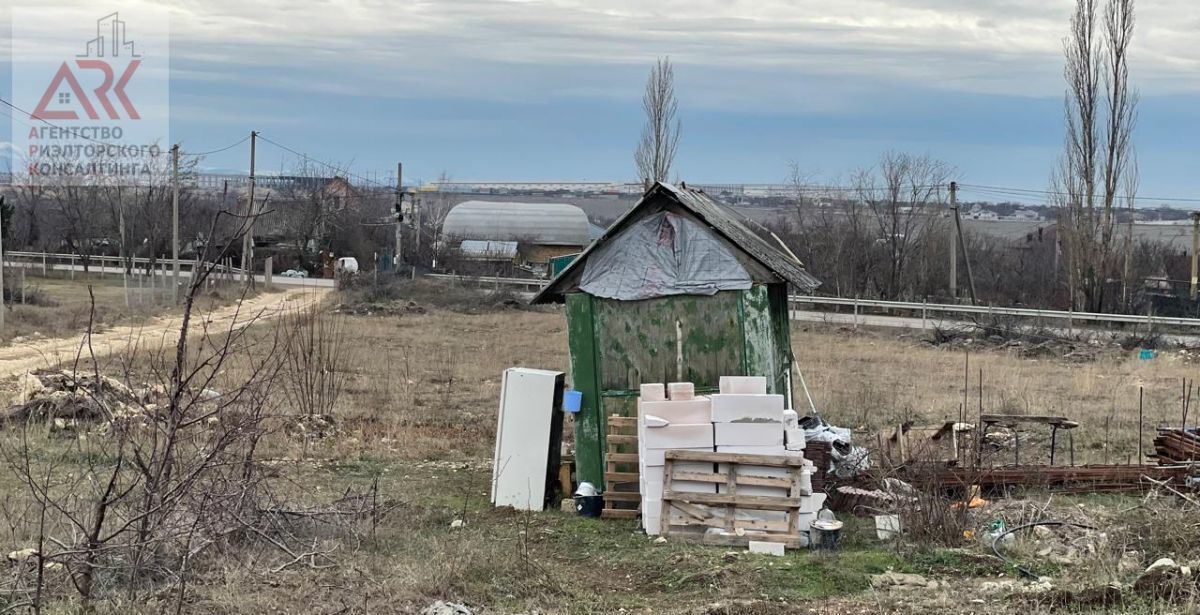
pixel 1101 110
pixel 660 135
pixel 903 194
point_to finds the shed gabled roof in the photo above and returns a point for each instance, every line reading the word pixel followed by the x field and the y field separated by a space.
pixel 712 214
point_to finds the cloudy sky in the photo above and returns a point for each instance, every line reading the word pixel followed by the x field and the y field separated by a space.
pixel 550 89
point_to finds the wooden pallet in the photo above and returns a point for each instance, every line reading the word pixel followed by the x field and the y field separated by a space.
pixel 622 478
pixel 688 516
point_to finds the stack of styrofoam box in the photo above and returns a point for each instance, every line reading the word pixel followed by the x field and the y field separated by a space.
pixel 749 421
pixel 682 421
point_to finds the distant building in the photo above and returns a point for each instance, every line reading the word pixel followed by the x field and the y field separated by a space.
pixel 543 230
pixel 980 213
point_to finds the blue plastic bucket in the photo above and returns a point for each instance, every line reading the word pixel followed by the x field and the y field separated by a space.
pixel 572 401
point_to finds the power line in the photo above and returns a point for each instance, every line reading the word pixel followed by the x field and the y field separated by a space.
pixel 219 150
pixel 1032 192
pixel 50 124
pixel 97 141
pixel 324 164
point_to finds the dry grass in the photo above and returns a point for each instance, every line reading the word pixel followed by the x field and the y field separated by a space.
pixel 417 417
pixel 876 380
pixel 63 306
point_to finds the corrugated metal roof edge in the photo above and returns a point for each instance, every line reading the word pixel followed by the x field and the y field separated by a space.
pixel 716 218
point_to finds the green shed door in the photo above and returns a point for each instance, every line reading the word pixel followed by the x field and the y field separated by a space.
pixel 639 341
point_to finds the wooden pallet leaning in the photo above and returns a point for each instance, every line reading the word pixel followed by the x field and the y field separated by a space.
pixel 688 516
pixel 622 480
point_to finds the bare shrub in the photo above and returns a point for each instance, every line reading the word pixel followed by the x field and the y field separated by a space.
pixel 315 357
pixel 127 504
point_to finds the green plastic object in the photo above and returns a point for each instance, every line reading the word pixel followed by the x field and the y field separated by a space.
pixel 558 263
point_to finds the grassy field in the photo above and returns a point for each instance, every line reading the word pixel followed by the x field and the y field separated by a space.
pixel 415 424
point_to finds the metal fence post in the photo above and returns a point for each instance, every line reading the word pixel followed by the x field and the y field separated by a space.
pixel 856 313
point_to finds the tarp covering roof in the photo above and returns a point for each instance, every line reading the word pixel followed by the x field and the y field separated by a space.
pixel 663 254
pixel 752 248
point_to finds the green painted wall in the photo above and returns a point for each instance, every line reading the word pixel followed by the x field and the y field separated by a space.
pixel 638 341
pixel 617 345
pixel 589 421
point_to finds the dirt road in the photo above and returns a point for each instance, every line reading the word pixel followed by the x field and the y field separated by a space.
pixel 25 356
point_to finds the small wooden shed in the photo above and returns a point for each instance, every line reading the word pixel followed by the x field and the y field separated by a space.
pixel 677 289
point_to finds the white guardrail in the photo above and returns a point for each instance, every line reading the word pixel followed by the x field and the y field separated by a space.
pixel 949 308
pixel 924 308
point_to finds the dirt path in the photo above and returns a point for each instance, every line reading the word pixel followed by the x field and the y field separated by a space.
pixel 22 357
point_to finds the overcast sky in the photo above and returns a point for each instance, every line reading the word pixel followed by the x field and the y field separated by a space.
pixel 550 89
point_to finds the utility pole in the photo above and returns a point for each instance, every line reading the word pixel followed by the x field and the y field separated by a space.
pixel 175 223
pixel 399 215
pixel 124 255
pixel 1195 254
pixel 962 244
pixel 954 242
pixel 417 229
pixel 2 306
pixel 248 240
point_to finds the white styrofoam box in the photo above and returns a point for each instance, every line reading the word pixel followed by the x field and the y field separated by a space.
pixel 681 391
pixel 777 450
pixel 764 471
pixel 749 470
pixel 653 478
pixel 791 420
pixel 772 492
pixel 805 520
pixel 651 517
pixel 766 548
pixel 794 439
pixel 746 408
pixel 679 435
pixel 743 384
pixel 748 434
pixel 655 456
pixel 650 482
pixel 698 410
pixel 654 391
pixel 812 503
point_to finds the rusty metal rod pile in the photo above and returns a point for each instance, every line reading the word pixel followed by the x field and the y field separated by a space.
pixel 1071 479
pixel 1175 446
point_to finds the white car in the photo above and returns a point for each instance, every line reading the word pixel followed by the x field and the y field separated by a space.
pixel 295 273
pixel 346 264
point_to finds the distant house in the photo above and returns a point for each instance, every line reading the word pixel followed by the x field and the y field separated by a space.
pixel 543 230
pixel 980 213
